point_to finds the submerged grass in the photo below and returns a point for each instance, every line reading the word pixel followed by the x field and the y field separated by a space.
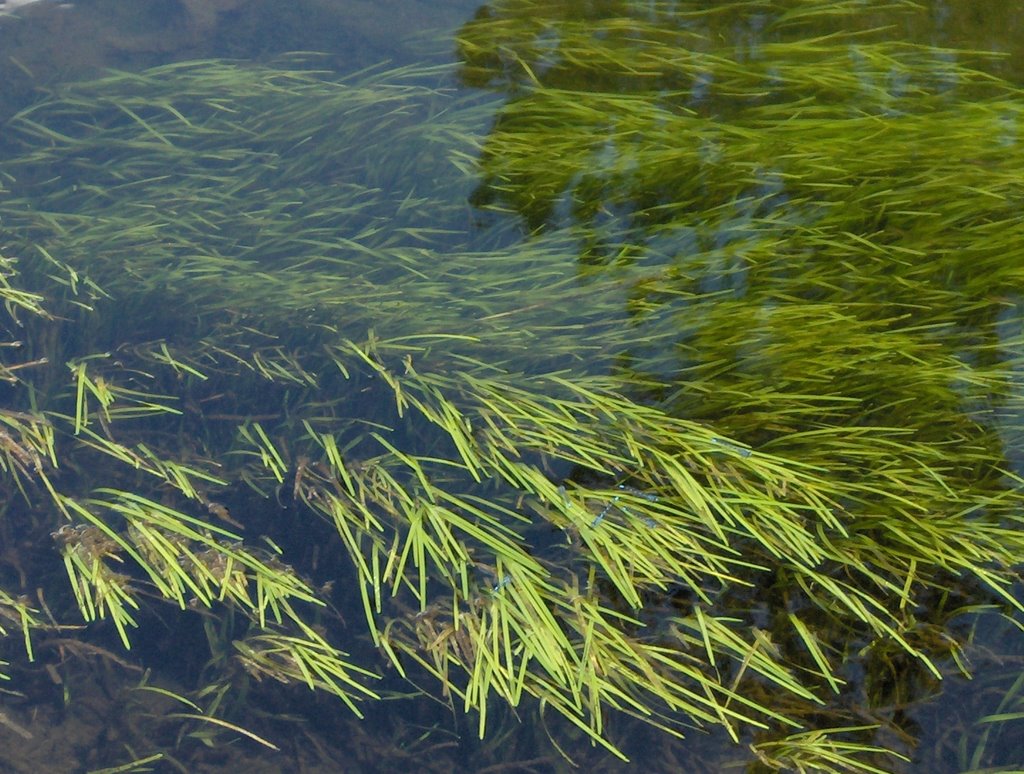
pixel 690 392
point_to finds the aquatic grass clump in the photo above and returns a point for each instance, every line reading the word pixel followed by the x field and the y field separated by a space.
pixel 814 271
pixel 703 416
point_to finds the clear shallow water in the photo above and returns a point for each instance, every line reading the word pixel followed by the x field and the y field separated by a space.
pixel 103 34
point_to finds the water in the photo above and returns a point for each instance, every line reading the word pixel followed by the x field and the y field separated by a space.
pixel 782 244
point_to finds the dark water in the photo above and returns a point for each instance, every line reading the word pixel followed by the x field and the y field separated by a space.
pixel 49 43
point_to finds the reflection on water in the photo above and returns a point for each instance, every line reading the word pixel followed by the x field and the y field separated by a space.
pixel 657 368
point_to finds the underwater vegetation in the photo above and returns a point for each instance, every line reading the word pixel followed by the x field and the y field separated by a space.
pixel 683 385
